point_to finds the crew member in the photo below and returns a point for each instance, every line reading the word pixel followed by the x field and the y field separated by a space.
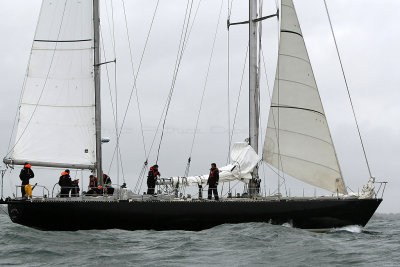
pixel 212 181
pixel 92 185
pixel 108 189
pixel 25 174
pixel 65 183
pixel 151 179
pixel 75 188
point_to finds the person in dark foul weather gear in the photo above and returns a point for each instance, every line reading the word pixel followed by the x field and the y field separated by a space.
pixel 25 174
pixel 75 188
pixel 65 183
pixel 212 181
pixel 93 186
pixel 151 179
pixel 108 189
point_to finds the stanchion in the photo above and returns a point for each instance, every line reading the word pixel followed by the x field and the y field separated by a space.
pixel 2 183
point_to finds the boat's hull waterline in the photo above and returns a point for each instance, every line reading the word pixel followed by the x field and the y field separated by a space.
pixel 318 213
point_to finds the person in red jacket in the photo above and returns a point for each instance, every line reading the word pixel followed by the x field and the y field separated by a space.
pixel 93 186
pixel 151 179
pixel 212 181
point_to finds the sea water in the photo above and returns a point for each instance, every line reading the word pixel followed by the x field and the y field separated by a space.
pixel 246 244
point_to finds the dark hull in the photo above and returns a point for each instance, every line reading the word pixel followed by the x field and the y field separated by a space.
pixel 190 215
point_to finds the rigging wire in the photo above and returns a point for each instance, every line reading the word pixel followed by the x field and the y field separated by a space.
pixel 18 108
pixel 109 85
pixel 228 82
pixel 274 121
pixel 240 90
pixel 348 90
pixel 165 105
pixel 135 76
pixel 277 129
pixel 228 88
pixel 178 61
pixel 114 108
pixel 141 175
pixel 259 86
pixel 45 81
pixel 259 58
pixel 139 182
pixel 187 167
pixel 112 33
pixel 278 115
pixel 122 166
pixel 272 113
pixel 116 92
pixel 237 182
pixel 258 82
pixel 206 80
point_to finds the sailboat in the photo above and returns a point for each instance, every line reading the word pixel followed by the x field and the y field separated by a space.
pixel 62 90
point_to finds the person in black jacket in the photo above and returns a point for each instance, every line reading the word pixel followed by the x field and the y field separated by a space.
pixel 65 183
pixel 151 179
pixel 25 174
pixel 75 188
pixel 108 189
pixel 93 186
pixel 212 181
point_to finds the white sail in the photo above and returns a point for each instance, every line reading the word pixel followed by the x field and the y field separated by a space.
pixel 56 119
pixel 298 141
pixel 244 159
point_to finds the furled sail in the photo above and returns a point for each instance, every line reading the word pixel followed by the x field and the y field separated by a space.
pixel 243 161
pixel 298 141
pixel 56 119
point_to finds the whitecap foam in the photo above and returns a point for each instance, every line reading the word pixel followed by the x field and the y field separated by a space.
pixel 350 228
pixel 287 224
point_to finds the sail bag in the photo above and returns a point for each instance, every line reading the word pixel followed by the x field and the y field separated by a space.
pixel 243 160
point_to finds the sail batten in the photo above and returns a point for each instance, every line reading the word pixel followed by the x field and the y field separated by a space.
pixel 292 32
pixel 309 136
pixel 298 141
pixel 57 111
pixel 300 108
pixel 64 41
pixel 312 162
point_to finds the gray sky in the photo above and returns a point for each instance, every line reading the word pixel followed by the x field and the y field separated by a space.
pixel 368 39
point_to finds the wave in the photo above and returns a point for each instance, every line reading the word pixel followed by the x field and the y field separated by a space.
pixel 357 229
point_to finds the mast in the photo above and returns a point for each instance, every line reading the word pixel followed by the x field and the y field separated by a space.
pixel 253 89
pixel 96 25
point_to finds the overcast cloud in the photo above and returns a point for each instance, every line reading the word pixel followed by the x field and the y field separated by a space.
pixel 368 37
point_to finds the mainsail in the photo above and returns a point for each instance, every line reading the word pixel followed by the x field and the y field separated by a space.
pixel 298 141
pixel 56 125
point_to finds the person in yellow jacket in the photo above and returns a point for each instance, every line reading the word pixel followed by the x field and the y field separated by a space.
pixel 28 191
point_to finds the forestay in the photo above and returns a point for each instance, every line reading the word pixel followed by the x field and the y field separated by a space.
pixel 298 141
pixel 56 118
pixel 244 159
